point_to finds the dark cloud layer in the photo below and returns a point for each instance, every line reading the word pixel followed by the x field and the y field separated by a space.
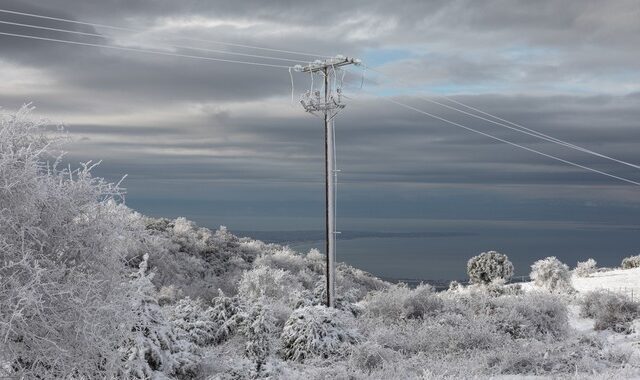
pixel 567 69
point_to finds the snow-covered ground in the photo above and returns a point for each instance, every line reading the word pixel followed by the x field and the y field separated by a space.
pixel 626 281
pixel 620 280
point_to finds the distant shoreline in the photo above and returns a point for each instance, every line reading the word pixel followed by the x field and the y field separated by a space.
pixel 310 236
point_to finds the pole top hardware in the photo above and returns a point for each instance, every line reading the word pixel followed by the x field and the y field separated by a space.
pixel 315 101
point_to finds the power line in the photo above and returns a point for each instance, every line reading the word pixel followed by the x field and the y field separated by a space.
pixel 145 51
pixel 181 38
pixel 543 135
pixel 173 46
pixel 510 143
pixel 514 126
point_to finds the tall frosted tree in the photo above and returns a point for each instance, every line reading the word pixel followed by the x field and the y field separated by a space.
pixel 63 242
pixel 155 350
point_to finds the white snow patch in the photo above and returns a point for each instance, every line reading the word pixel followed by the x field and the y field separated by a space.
pixel 618 280
pixel 625 281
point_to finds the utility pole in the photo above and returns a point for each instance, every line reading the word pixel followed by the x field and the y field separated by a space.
pixel 329 106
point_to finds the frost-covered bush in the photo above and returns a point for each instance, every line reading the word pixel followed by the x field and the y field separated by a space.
pixel 631 262
pixel 281 288
pixel 534 315
pixel 267 282
pixel 284 259
pixel 370 357
pixel 488 267
pixel 169 295
pixel 193 320
pixel 611 311
pixel 317 332
pixel 455 286
pixel 586 268
pixel 552 275
pixel 353 284
pixel 398 302
pixel 420 302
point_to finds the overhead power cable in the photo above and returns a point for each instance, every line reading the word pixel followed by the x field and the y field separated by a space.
pixel 570 145
pixel 171 45
pixel 510 142
pixel 180 38
pixel 138 50
pixel 513 126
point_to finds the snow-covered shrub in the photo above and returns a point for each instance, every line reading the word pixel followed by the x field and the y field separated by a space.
pixel 575 356
pixel 317 332
pixel 386 304
pixel 420 302
pixel 267 282
pixel 353 284
pixel 168 295
pixel 586 268
pixel 611 311
pixel 280 287
pixel 369 357
pixel 449 332
pixel 488 267
pixel 532 315
pixel 455 286
pixel 631 262
pixel 288 261
pixel 316 261
pixel 398 302
pixel 496 288
pixel 154 349
pixel 284 259
pixel 191 319
pixel 552 275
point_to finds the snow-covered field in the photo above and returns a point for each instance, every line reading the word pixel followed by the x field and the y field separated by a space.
pixel 626 281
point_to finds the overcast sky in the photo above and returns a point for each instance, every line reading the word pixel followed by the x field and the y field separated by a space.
pixel 217 141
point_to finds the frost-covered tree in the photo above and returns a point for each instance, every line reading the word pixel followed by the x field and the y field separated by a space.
pixel 488 267
pixel 259 326
pixel 551 274
pixel 631 262
pixel 194 321
pixel 64 294
pixel 154 350
pixel 226 312
pixel 585 268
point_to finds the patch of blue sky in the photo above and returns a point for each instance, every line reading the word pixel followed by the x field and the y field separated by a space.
pixel 527 53
pixel 378 57
pixel 441 89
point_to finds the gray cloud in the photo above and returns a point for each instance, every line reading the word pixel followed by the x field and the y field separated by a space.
pixel 570 71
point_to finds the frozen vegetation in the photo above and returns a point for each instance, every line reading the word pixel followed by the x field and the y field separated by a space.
pixel 92 289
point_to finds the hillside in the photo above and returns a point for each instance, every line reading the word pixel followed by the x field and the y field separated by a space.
pixel 92 289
